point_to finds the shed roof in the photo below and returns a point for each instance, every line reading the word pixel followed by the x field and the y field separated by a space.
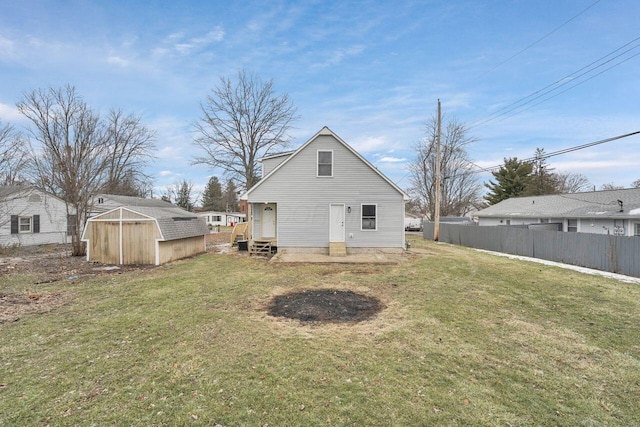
pixel 593 204
pixel 173 222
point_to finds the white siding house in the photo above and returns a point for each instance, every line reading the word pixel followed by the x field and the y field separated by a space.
pixel 614 212
pixel 324 197
pixel 215 218
pixel 29 216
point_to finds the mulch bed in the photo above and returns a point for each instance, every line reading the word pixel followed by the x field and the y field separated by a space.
pixel 325 306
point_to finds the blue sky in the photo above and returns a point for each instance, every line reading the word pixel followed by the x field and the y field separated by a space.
pixel 372 71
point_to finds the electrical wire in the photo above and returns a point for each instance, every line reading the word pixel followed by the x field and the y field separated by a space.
pixel 517 106
pixel 539 40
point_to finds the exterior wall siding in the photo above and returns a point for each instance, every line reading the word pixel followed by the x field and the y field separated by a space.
pixel 604 226
pixel 173 250
pixel 270 164
pixel 53 219
pixel 303 200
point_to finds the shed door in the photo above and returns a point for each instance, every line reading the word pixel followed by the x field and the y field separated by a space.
pixel 336 223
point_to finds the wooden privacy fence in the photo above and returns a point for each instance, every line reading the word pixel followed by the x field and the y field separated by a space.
pixel 615 254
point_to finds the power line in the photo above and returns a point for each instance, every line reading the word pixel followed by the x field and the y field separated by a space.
pixel 539 40
pixel 516 107
pixel 566 150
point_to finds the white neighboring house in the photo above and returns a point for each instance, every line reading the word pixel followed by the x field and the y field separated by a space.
pixel 29 216
pixel 615 212
pixel 215 218
pixel 412 222
pixel 324 197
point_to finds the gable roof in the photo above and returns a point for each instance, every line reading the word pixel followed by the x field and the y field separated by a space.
pixel 327 132
pixel 593 204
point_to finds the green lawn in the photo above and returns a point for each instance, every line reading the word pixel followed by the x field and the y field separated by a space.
pixel 466 338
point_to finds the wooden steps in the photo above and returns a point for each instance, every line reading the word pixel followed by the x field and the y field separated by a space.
pixel 260 247
pixel 337 249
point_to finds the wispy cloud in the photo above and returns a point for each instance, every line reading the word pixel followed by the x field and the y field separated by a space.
pixel 178 43
pixel 388 159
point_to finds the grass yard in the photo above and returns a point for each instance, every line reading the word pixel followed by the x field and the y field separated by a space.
pixel 465 338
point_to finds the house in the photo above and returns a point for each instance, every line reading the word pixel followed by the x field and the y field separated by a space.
pixel 412 222
pixel 144 235
pixel 324 197
pixel 29 216
pixel 214 218
pixel 615 212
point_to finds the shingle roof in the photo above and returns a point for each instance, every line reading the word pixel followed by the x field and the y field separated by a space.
pixel 174 222
pixel 8 190
pixel 592 204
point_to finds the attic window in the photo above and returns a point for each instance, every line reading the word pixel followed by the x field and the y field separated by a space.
pixel 325 163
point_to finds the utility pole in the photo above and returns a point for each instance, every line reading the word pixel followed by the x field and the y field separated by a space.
pixel 436 222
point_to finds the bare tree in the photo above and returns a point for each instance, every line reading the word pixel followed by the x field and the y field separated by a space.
pixel 181 195
pixel 13 156
pixel 68 148
pixel 130 144
pixel 572 182
pixel 460 187
pixel 242 121
pixel 611 186
pixel 636 183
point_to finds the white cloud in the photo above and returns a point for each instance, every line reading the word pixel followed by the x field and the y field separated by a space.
pixel 392 159
pixel 116 60
pixel 182 45
pixel 9 113
pixel 166 173
pixel 369 144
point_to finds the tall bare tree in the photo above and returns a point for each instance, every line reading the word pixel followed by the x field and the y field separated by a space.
pixel 13 156
pixel 130 146
pixel 68 146
pixel 242 121
pixel 460 187
pixel 74 154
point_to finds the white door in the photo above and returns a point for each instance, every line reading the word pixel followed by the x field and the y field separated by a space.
pixel 336 223
pixel 269 221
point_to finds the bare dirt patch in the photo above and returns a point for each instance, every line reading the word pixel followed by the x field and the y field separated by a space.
pixel 325 306
pixel 15 305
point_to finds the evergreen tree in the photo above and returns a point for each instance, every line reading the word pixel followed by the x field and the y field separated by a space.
pixel 542 181
pixel 212 199
pixel 511 180
pixel 231 196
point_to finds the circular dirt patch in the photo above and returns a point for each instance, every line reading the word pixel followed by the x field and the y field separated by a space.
pixel 326 305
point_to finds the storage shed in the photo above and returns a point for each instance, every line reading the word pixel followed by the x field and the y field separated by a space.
pixel 144 235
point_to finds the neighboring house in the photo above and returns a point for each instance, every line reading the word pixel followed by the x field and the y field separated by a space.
pixel 615 212
pixel 29 216
pixel 325 197
pixel 105 202
pixel 144 235
pixel 412 222
pixel 213 218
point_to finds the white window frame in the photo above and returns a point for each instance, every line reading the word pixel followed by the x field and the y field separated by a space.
pixel 375 218
pixel 636 229
pixel 318 164
pixel 576 226
pixel 30 220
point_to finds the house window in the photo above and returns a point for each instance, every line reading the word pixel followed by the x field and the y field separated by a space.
pixel 325 163
pixel 25 224
pixel 636 229
pixel 369 213
pixel 217 218
pixel 572 225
